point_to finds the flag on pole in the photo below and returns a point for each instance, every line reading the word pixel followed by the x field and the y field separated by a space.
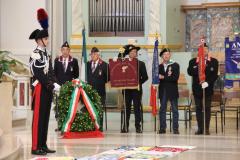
pixel 155 65
pixel 84 57
pixel 155 80
pixel 201 62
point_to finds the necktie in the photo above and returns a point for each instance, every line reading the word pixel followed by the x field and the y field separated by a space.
pixel 64 65
pixel 93 67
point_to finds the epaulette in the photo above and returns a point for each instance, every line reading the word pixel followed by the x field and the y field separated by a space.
pixel 35 55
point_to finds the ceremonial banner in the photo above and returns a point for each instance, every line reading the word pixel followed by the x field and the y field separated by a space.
pixel 201 63
pixel 124 73
pixel 232 61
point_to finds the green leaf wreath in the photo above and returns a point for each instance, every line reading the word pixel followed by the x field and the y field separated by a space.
pixel 82 121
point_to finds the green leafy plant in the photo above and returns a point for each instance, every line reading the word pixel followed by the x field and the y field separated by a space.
pixel 5 63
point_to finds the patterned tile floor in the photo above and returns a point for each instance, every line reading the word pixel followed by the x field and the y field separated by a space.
pixel 219 146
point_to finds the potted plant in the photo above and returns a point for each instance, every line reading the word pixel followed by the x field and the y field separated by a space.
pixel 5 63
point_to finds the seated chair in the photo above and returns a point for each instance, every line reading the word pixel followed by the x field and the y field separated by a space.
pixel 231 102
pixel 217 107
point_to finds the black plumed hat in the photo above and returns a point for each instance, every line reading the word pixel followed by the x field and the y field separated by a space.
pixel 34 34
pixel 125 50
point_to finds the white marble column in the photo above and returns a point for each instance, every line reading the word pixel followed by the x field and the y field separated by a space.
pixel 77 18
pixel 154 19
pixel 57 26
pixel 77 21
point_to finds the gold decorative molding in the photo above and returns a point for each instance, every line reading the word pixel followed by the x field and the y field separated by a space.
pixel 171 46
pixel 224 4
pixel 210 5
pixel 76 36
pixel 154 35
pixel 192 7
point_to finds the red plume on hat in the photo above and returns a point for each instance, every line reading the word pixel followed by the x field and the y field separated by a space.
pixel 42 17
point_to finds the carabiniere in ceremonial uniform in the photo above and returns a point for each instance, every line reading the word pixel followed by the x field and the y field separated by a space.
pixel 43 83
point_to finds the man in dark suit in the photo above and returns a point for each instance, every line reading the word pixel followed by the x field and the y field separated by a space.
pixel 65 66
pixel 211 73
pixel 168 90
pixel 97 76
pixel 135 95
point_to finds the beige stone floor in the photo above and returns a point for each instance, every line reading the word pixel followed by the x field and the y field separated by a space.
pixel 221 146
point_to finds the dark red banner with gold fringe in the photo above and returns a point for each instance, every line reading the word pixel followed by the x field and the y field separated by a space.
pixel 124 73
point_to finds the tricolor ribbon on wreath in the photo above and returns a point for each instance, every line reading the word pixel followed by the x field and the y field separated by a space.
pixel 77 92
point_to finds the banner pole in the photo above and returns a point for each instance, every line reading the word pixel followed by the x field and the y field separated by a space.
pixel 125 111
pixel 56 114
pixel 204 112
pixel 56 101
pixel 155 118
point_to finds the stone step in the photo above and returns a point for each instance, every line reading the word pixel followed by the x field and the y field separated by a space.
pixel 10 147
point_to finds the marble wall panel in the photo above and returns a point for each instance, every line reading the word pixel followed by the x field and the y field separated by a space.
pixel 214 23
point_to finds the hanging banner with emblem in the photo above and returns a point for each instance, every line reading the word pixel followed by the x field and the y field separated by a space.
pixel 232 61
pixel 124 73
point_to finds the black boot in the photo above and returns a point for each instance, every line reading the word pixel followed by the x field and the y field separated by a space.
pixel 207 132
pixel 125 129
pixel 198 132
pixel 138 129
pixel 162 131
pixel 39 152
pixel 176 131
pixel 47 150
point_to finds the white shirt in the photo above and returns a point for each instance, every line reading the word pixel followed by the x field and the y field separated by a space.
pixel 66 63
pixel 96 63
pixel 165 66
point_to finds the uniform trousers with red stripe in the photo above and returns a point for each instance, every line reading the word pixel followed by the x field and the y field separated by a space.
pixel 41 119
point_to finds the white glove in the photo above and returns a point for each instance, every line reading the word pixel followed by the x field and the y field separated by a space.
pixel 204 85
pixel 115 59
pixel 56 87
pixel 35 83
